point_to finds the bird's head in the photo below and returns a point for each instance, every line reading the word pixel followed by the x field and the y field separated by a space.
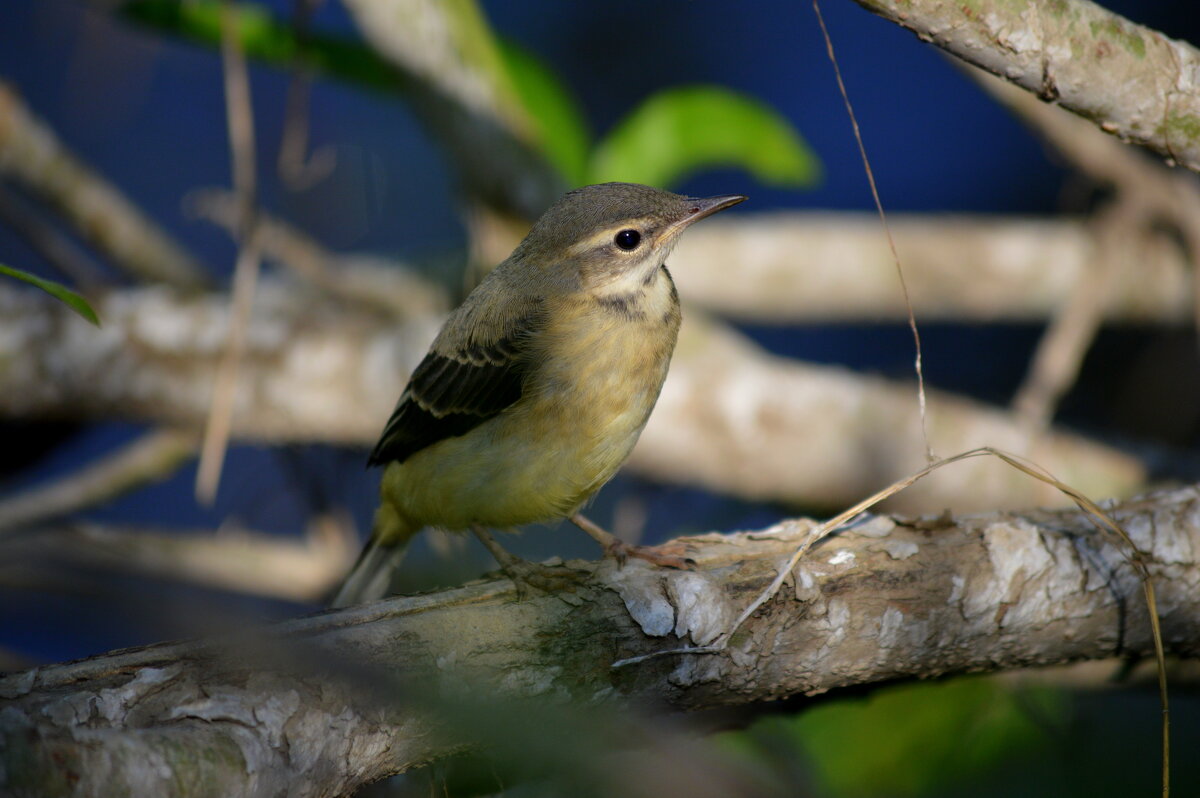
pixel 612 234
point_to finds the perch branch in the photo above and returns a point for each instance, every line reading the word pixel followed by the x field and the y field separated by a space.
pixel 322 705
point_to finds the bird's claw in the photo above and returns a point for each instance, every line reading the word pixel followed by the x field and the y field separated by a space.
pixel 664 556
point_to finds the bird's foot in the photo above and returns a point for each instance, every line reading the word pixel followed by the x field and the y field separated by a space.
pixel 526 575
pixel 668 555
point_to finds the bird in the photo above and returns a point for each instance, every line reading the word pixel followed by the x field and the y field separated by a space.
pixel 538 385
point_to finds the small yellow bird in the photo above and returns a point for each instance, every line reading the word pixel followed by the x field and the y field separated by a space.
pixel 538 385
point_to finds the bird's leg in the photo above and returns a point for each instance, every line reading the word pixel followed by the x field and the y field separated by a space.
pixel 523 573
pixel 620 550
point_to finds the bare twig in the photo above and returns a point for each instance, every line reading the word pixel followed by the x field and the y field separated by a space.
pixel 810 267
pixel 297 171
pixel 1064 344
pixel 232 559
pixel 59 251
pixel 364 280
pixel 239 115
pixel 887 232
pixel 32 155
pixel 152 457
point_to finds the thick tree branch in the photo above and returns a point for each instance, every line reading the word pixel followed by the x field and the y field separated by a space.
pixel 731 417
pixel 289 710
pixel 1129 80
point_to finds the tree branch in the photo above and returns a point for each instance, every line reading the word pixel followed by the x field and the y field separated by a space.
pixel 1129 80
pixel 288 709
pixel 32 155
pixel 813 267
pixel 731 417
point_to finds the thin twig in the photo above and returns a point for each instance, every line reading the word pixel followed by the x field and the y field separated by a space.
pixel 295 171
pixel 229 558
pixel 240 119
pixel 1065 342
pixel 367 280
pixel 151 457
pixel 862 151
pixel 1097 516
pixel 32 156
pixel 57 250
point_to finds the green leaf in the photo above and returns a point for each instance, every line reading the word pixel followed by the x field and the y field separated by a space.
pixel 679 131
pixel 60 292
pixel 551 108
pixel 268 39
pixel 917 739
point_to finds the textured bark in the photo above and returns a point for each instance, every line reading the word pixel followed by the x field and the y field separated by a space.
pixel 283 710
pixel 1129 80
pixel 731 417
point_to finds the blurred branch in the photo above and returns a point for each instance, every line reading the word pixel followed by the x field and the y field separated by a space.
pixel 813 267
pixel 738 420
pixel 887 599
pixel 363 280
pixel 447 46
pixel 1127 79
pixel 440 56
pixel 239 118
pixel 31 155
pixel 232 559
pixel 55 248
pixel 152 457
pixel 1120 228
pixel 461 89
pixel 731 417
pixel 296 170
pixel 1147 198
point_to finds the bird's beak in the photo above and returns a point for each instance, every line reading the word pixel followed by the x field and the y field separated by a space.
pixel 698 208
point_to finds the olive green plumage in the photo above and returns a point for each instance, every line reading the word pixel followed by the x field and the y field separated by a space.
pixel 537 387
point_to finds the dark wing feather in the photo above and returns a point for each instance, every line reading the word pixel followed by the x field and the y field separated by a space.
pixel 452 393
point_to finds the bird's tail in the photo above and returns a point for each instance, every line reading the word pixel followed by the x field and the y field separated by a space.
pixel 371 576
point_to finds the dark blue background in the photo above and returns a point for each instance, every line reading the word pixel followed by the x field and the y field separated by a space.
pixel 148 112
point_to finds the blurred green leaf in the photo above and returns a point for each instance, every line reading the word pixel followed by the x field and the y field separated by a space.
pixel 681 130
pixel 268 39
pixel 560 127
pixel 60 292
pixel 905 741
pixel 909 740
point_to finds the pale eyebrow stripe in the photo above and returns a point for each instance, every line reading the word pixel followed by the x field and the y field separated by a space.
pixel 594 240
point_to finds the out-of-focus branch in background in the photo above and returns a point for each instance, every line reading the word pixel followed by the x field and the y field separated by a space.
pixel 731 417
pixel 32 156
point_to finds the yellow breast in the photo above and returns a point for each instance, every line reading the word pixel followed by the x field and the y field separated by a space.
pixel 598 369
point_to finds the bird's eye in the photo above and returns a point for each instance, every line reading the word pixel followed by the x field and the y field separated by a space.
pixel 628 240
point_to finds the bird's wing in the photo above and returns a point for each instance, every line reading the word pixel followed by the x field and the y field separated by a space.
pixel 455 389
